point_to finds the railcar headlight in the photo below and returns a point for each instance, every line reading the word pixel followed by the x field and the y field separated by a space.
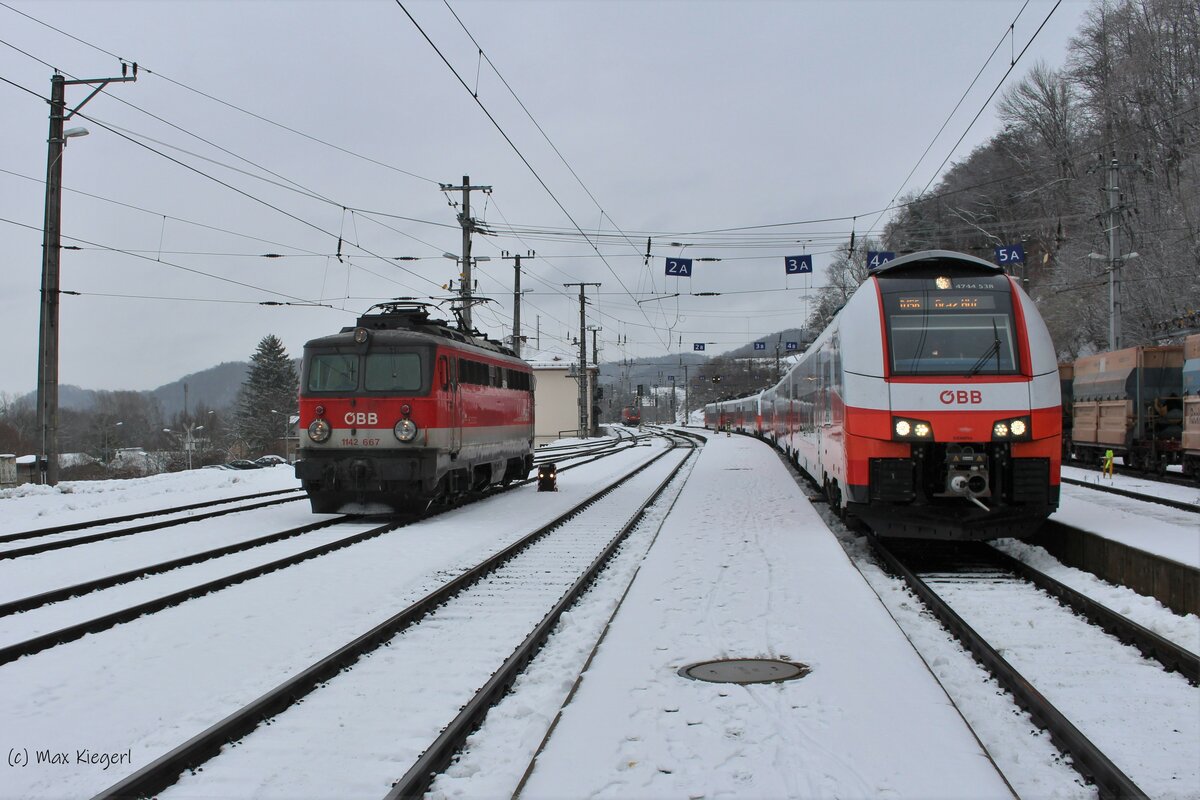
pixel 405 430
pixel 908 430
pixel 1012 430
pixel 361 335
pixel 319 430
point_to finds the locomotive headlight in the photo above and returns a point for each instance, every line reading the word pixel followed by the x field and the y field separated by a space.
pixel 405 430
pixel 905 429
pixel 1015 429
pixel 361 335
pixel 319 430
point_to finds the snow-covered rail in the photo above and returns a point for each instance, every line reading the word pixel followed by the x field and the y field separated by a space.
pixel 1091 686
pixel 423 664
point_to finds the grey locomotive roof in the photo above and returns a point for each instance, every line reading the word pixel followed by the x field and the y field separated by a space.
pixel 913 259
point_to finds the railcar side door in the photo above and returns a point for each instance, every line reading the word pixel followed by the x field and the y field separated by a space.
pixel 447 377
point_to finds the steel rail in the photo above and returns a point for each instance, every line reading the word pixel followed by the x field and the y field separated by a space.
pixel 438 755
pixel 62 544
pixel 12 537
pixel 1088 759
pixel 86 587
pixel 1164 651
pixel 1166 501
pixel 166 769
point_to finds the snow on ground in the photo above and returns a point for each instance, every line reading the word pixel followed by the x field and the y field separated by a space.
pixel 1153 527
pixel 741 567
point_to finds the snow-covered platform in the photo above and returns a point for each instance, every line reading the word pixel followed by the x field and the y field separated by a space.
pixel 744 567
pixel 1163 531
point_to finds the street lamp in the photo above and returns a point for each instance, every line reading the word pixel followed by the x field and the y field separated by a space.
pixel 47 386
pixel 287 422
pixel 189 443
pixel 115 425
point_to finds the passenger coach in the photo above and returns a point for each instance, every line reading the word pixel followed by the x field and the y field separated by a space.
pixel 929 407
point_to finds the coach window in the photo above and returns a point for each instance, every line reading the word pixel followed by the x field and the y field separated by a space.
pixel 333 372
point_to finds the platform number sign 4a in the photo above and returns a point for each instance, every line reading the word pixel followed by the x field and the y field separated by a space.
pixel 679 267
pixel 797 265
pixel 760 345
pixel 792 345
pixel 877 258
pixel 1010 254
pixel 698 345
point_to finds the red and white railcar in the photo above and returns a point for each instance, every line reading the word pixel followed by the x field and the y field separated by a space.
pixel 930 407
pixel 402 410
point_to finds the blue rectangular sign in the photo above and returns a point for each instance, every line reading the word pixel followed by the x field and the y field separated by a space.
pixel 793 346
pixel 698 346
pixel 760 345
pixel 679 267
pixel 796 265
pixel 1012 254
pixel 877 258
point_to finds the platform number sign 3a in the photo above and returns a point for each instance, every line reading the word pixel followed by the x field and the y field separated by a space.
pixel 1011 254
pixel 796 265
pixel 877 258
pixel 760 345
pixel 679 267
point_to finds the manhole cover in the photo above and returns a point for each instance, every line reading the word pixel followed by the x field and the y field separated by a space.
pixel 745 670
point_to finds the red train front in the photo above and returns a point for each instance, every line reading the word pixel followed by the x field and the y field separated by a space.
pixel 402 410
pixel 929 407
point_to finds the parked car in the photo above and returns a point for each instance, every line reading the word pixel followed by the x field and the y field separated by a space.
pixel 270 461
pixel 243 463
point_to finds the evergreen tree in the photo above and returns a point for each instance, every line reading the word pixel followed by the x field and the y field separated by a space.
pixel 268 397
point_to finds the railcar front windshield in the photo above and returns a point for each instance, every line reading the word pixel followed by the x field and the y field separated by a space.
pixel 393 372
pixel 943 325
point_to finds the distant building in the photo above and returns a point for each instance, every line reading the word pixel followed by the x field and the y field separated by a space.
pixel 556 396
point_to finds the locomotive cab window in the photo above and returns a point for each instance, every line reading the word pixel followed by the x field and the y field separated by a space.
pixel 961 326
pixel 393 372
pixel 333 372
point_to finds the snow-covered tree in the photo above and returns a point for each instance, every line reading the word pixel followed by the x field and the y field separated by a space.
pixel 268 397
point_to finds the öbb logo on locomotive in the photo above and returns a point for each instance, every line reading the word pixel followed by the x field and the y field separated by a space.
pixel 961 397
pixel 360 418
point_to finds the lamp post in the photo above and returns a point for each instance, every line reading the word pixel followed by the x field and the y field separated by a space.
pixel 47 387
pixel 114 426
pixel 189 444
pixel 287 423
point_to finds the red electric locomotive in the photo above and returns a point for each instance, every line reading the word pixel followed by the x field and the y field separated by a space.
pixel 403 410
pixel 631 416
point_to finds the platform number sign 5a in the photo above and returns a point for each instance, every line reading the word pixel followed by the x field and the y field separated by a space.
pixel 877 258
pixel 698 345
pixel 1011 254
pixel 796 265
pixel 679 267
pixel 760 345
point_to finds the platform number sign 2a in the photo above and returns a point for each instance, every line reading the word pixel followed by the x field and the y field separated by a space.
pixel 679 267
pixel 796 265
pixel 697 345
pixel 877 258
pixel 1012 254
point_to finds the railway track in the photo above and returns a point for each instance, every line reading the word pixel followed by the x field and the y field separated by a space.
pixel 85 623
pixel 1148 498
pixel 966 590
pixel 509 602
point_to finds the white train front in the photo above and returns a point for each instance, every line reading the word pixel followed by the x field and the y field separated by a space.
pixel 929 407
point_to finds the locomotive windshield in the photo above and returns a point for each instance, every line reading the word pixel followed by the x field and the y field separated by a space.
pixel 939 325
pixel 378 371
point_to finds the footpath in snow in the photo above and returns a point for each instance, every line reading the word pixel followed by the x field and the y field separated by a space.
pixel 744 567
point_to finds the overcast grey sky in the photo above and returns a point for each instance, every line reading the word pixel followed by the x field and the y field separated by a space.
pixel 677 117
